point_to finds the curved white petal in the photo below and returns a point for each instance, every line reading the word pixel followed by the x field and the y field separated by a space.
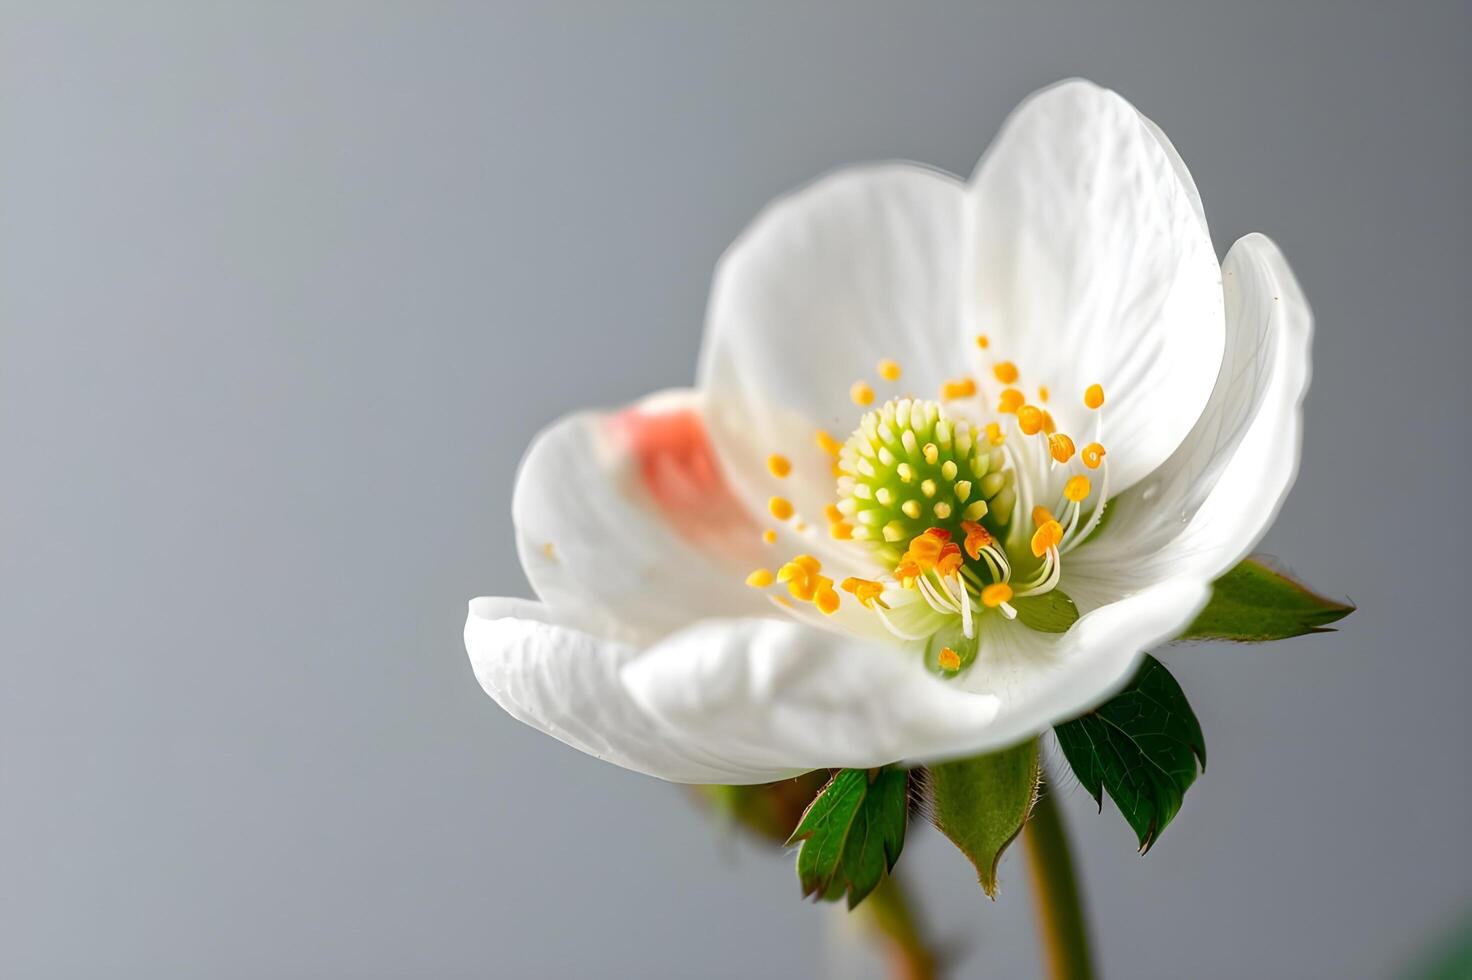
pixel 780 694
pixel 1089 262
pixel 566 682
pixel 860 265
pixel 1218 493
pixel 625 525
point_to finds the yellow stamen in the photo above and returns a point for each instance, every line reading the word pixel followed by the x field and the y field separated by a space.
pixel 808 563
pixel 824 597
pixel 1041 515
pixel 827 443
pixel 949 659
pixel 1077 488
pixel 995 594
pixel 832 513
pixel 780 507
pixel 1048 425
pixel 778 465
pixel 983 341
pixel 841 530
pixel 994 434
pixel 931 551
pixel 1042 393
pixel 977 537
pixel 1005 371
pixel 861 394
pixel 769 536
pixel 1047 536
pixel 889 370
pixel 1061 447
pixel 1012 400
pixel 761 578
pixel 1030 419
pixel 1093 455
pixel 866 591
pixel 958 388
pixel 1094 396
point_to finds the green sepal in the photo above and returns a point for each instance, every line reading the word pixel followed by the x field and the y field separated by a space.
pixel 852 833
pixel 1051 612
pixel 1142 746
pixel 981 804
pixel 768 810
pixel 1253 603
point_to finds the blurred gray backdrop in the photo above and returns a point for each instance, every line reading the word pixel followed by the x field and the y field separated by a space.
pixel 286 288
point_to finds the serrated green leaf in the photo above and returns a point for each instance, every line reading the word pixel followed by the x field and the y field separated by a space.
pixel 1051 612
pixel 981 804
pixel 852 833
pixel 1142 746
pixel 1253 603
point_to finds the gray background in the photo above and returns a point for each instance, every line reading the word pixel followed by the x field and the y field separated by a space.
pixel 285 289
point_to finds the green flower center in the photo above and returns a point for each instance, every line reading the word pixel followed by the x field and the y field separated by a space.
pixel 909 467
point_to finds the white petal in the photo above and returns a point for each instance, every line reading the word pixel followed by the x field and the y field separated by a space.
pixel 858 266
pixel 1215 497
pixel 1089 262
pixel 1043 679
pixel 566 683
pixel 779 694
pixel 625 525
pixel 782 695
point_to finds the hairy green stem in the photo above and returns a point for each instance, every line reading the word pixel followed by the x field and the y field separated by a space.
pixel 1055 893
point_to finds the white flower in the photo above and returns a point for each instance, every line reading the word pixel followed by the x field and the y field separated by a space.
pixel 1053 335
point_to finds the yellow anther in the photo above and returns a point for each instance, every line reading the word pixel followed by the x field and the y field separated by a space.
pixel 1042 393
pixel 1030 419
pixel 1041 515
pixel 1093 455
pixel 983 341
pixel 994 434
pixel 1012 400
pixel 824 597
pixel 761 578
pixel 1005 371
pixel 1094 396
pixel 841 530
pixel 800 526
pixel 832 513
pixel 808 564
pixel 977 537
pixel 861 394
pixel 780 507
pixel 933 551
pixel 868 592
pixel 1047 536
pixel 1077 488
pixel 1061 447
pixel 948 659
pixel 778 465
pixel 769 536
pixel 958 388
pixel 1048 425
pixel 827 443
pixel 889 370
pixel 995 594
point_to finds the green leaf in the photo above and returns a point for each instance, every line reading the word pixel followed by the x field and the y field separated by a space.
pixel 981 804
pixel 1142 746
pixel 1253 603
pixel 1051 612
pixel 852 833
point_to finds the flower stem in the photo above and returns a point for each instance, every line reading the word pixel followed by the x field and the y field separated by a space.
pixel 889 915
pixel 1056 896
